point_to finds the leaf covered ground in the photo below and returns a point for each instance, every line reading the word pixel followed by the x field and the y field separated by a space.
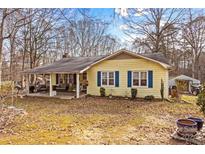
pixel 96 121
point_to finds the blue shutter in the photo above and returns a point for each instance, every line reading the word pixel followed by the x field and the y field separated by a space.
pixel 98 78
pixel 150 79
pixel 129 78
pixel 116 78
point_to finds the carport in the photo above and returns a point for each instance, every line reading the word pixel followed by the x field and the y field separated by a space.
pixel 183 79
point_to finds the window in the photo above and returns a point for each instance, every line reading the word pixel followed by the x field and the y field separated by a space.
pixel 135 78
pixel 104 78
pixel 143 79
pixel 111 78
pixel 108 78
pixel 139 79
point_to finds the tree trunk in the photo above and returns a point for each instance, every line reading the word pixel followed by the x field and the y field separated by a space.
pixel 197 69
pixel 1 48
pixel 1 43
pixel 193 68
pixel 11 61
pixel 23 64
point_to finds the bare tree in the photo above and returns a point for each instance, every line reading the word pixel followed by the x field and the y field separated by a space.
pixel 194 36
pixel 31 37
pixel 10 21
pixel 89 35
pixel 149 27
pixel 4 14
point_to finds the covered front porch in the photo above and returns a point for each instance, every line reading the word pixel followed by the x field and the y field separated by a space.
pixel 67 76
pixel 58 85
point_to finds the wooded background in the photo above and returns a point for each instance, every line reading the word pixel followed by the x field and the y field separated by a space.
pixel 33 37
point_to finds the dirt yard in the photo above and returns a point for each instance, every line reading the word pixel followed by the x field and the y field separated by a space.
pixel 96 121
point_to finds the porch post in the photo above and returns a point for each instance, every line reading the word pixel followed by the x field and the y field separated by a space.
pixel 77 86
pixel 51 87
pixel 190 86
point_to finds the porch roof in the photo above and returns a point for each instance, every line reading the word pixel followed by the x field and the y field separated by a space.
pixel 65 65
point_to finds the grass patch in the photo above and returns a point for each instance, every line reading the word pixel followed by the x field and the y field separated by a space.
pixel 189 98
pixel 95 121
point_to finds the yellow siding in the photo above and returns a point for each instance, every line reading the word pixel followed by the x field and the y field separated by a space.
pixel 53 79
pixel 81 78
pixel 123 65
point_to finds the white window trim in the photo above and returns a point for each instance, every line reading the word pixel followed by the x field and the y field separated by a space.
pixel 140 79
pixel 107 72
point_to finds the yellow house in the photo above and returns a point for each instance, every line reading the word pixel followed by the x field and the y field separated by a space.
pixel 117 73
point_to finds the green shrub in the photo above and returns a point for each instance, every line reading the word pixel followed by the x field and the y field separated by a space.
pixel 162 89
pixel 88 95
pixel 201 100
pixel 102 91
pixel 133 93
pixel 149 98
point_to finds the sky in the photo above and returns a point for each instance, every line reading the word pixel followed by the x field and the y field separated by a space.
pixel 114 16
pixel 110 15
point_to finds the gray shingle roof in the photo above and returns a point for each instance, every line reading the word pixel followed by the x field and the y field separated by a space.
pixel 158 57
pixel 66 65
pixel 77 64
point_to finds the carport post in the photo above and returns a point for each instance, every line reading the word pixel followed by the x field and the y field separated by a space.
pixel 77 85
pixel 51 87
pixel 27 83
